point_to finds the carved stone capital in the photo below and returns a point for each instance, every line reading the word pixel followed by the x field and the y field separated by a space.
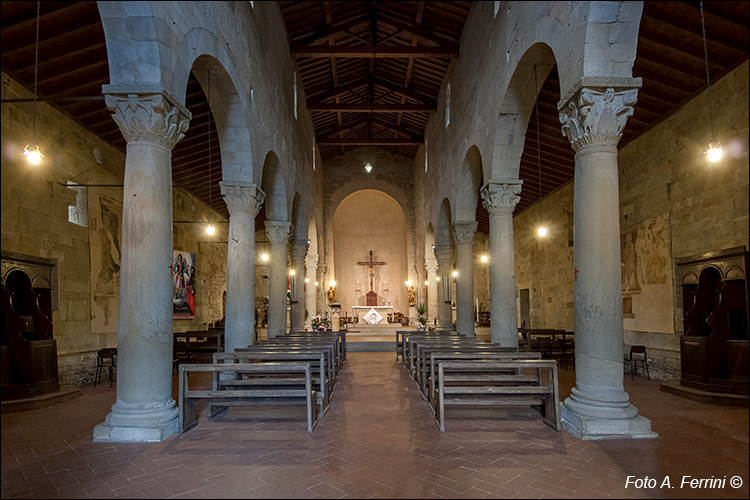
pixel 299 249
pixel 242 200
pixel 597 116
pixel 277 232
pixel 311 261
pixel 501 197
pixel 431 265
pixel 147 114
pixel 444 255
pixel 463 232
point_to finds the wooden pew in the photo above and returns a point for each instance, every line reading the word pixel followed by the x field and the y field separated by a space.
pixel 415 342
pixel 327 351
pixel 464 355
pixel 321 382
pixel 285 342
pixel 268 384
pixel 498 383
pixel 424 350
pixel 402 337
pixel 340 336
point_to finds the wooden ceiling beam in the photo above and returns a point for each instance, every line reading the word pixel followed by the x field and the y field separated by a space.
pixel 419 32
pixel 369 141
pixel 369 52
pixel 330 32
pixel 370 108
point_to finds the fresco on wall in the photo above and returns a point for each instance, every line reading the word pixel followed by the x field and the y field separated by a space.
pixel 105 208
pixel 647 276
pixel 183 285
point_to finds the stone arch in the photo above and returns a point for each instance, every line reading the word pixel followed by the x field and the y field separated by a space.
pixel 444 235
pixel 516 106
pixel 429 241
pixel 298 218
pixel 469 182
pixel 229 113
pixel 274 186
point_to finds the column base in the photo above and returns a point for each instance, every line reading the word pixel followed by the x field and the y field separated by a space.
pixel 136 424
pixel 582 422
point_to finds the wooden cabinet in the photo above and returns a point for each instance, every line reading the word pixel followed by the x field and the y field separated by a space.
pixel 714 344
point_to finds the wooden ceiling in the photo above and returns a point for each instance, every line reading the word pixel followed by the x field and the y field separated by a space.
pixel 381 93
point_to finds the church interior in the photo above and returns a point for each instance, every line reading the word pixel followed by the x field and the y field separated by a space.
pixel 313 187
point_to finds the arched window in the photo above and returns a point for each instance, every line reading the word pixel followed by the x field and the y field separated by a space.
pixel 295 95
pixel 448 106
pixel 497 7
pixel 314 157
pixel 425 155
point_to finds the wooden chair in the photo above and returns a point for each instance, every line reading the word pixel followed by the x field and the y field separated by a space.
pixel 639 350
pixel 106 357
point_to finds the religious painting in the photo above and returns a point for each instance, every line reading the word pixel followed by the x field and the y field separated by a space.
pixel 183 285
pixel 105 214
pixel 647 276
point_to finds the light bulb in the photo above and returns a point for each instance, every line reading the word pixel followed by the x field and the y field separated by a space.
pixel 484 258
pixel 455 274
pixel 427 282
pixel 210 230
pixel 307 280
pixel 316 283
pixel 714 152
pixel 291 272
pixel 264 257
pixel 437 278
pixel 333 283
pixel 408 283
pixel 542 231
pixel 33 156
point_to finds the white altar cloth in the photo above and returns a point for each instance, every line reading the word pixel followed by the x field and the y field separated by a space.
pixel 366 316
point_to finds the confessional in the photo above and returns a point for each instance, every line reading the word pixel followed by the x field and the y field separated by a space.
pixel 28 351
pixel 714 344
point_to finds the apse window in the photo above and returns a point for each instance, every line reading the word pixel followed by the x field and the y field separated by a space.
pixel 295 95
pixel 78 213
pixel 314 158
pixel 425 156
pixel 448 106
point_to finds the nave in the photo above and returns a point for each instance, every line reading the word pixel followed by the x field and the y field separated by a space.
pixel 379 440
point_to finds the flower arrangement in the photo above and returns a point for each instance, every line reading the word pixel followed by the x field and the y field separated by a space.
pixel 421 309
pixel 320 324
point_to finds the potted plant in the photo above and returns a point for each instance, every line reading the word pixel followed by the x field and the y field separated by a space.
pixel 320 324
pixel 421 309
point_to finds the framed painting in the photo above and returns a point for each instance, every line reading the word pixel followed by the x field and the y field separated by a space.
pixel 183 285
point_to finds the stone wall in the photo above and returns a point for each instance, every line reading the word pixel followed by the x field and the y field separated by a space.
pixel 673 203
pixel 35 222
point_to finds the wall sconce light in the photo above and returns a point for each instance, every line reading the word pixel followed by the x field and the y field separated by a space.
pixel 264 257
pixel 291 272
pixel 317 284
pixel 437 278
pixel 426 282
pixel 307 280
pixel 455 274
pixel 484 258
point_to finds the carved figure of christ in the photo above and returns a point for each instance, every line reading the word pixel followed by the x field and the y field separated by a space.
pixel 371 265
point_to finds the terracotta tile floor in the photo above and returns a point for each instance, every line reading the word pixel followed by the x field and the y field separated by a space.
pixel 379 440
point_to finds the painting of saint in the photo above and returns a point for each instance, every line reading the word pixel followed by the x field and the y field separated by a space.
pixel 183 285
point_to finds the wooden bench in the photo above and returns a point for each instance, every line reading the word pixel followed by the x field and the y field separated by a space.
pixel 419 348
pixel 321 382
pixel 306 342
pixel 268 384
pixel 498 383
pixel 327 351
pixel 403 335
pixel 464 355
pixel 414 344
pixel 424 350
pixel 340 336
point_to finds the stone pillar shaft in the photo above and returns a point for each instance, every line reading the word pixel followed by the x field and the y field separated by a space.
pixel 463 236
pixel 297 318
pixel 598 407
pixel 432 290
pixel 152 122
pixel 243 202
pixel 311 293
pixel 444 256
pixel 278 235
pixel 500 199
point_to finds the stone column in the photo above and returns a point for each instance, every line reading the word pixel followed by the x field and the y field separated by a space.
pixel 599 407
pixel 500 199
pixel 297 317
pixel 243 202
pixel 463 236
pixel 444 256
pixel 278 235
pixel 152 122
pixel 432 289
pixel 311 297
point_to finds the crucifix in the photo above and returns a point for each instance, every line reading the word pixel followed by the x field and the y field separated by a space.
pixel 372 297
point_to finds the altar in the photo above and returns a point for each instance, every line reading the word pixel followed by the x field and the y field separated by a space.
pixel 372 315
